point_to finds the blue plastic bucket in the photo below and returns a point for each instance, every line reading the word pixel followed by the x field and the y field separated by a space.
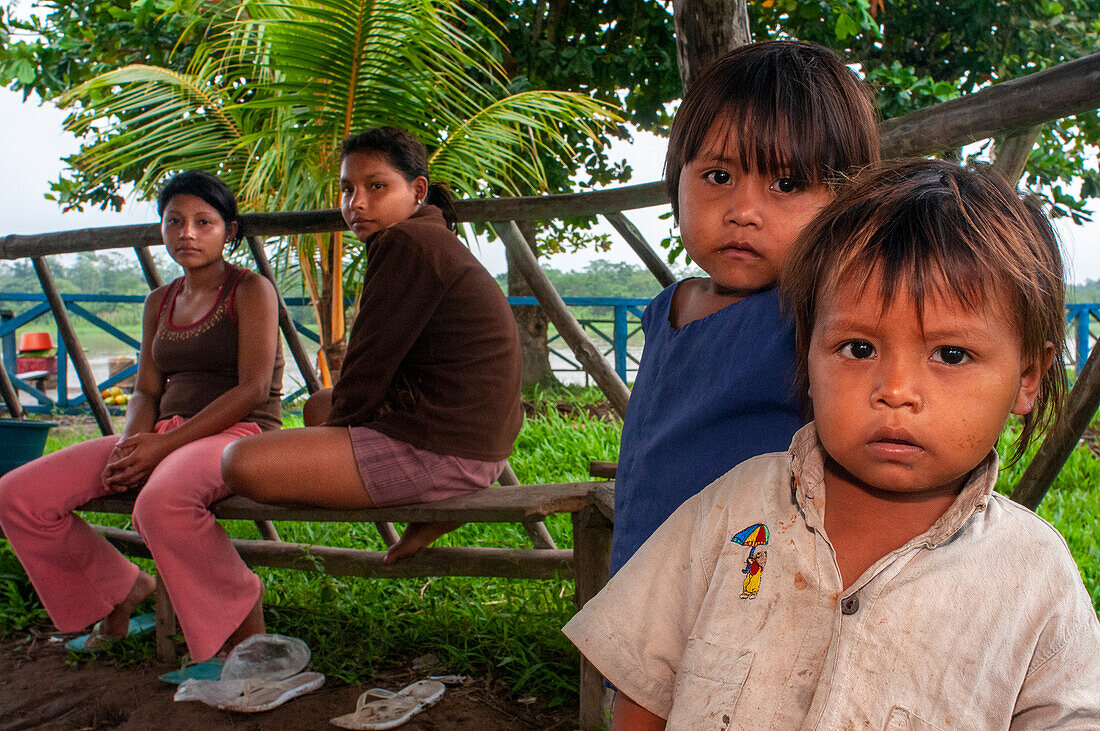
pixel 21 441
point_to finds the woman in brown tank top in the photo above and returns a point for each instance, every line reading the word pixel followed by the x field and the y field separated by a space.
pixel 210 372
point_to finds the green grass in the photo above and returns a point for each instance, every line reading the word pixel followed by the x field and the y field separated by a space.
pixel 508 630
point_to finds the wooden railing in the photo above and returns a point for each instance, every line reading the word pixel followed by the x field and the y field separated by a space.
pixel 611 332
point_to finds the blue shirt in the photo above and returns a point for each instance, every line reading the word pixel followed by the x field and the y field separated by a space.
pixel 708 396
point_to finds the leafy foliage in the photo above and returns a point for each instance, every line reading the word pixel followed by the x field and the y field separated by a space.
pixel 916 54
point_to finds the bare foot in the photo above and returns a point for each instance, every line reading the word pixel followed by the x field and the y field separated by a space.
pixel 253 624
pixel 117 623
pixel 415 537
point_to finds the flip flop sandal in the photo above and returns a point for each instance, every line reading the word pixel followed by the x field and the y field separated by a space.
pixel 378 709
pixel 250 695
pixel 139 625
pixel 209 670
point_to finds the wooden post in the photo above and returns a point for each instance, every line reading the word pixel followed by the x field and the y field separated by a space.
pixel 591 564
pixel 165 625
pixel 535 527
pixel 148 267
pixel 641 247
pixel 305 365
pixel 1063 435
pixel 11 398
pixel 80 361
pixel 587 354
pixel 1011 153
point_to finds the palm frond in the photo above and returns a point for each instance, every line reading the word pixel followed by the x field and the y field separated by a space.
pixel 502 145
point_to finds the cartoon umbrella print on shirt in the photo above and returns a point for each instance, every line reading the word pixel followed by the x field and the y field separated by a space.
pixel 753 536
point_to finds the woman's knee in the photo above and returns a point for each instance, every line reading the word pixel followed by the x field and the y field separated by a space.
pixel 159 504
pixel 242 463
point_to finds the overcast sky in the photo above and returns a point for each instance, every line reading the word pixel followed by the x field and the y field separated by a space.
pixel 32 143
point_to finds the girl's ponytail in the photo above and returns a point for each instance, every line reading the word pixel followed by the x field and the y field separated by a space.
pixel 440 196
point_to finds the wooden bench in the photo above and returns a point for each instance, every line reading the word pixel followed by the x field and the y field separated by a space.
pixel 589 504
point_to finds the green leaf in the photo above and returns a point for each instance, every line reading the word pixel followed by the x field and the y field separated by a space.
pixel 846 27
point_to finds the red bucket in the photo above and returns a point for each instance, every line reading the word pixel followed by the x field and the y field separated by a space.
pixel 35 341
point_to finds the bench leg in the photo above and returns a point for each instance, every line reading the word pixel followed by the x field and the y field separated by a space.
pixel 591 563
pixel 166 625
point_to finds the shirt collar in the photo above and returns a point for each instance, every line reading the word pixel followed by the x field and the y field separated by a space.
pixel 808 488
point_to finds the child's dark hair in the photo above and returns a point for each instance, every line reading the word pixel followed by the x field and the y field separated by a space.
pixel 409 157
pixel 935 229
pixel 797 112
pixel 211 189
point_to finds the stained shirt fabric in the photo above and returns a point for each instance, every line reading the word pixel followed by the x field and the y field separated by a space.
pixel 708 396
pixel 981 622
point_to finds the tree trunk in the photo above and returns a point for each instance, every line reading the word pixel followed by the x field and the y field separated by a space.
pixel 532 323
pixel 705 29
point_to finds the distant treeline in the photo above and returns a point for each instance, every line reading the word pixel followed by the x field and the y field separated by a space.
pixel 601 278
pixel 1082 293
pixel 109 272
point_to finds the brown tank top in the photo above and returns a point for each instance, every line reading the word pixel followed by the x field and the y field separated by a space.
pixel 199 361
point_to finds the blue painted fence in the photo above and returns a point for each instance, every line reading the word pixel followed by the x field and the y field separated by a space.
pixel 624 323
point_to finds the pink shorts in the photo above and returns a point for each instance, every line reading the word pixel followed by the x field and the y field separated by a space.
pixel 397 473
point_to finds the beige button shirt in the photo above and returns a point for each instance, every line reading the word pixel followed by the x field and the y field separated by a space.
pixel 733 615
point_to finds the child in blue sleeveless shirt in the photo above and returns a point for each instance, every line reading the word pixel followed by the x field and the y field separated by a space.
pixel 753 150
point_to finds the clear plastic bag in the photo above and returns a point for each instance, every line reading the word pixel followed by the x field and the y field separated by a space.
pixel 260 665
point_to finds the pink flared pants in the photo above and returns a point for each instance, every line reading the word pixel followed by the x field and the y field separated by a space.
pixel 80 577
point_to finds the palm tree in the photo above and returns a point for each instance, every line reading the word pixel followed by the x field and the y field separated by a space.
pixel 267 98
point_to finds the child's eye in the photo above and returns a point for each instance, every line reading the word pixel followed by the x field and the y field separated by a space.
pixel 858 349
pixel 720 177
pixel 951 355
pixel 378 186
pixel 786 185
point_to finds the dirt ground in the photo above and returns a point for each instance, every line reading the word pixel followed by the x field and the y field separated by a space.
pixel 39 690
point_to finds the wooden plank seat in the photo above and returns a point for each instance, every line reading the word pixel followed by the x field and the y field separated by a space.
pixel 602 470
pixel 588 503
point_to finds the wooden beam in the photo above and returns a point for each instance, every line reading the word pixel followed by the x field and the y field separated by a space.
pixel 297 350
pixel 72 344
pixel 509 563
pixel 645 252
pixel 1011 106
pixel 587 354
pixel 526 208
pixel 148 267
pixel 1062 436
pixel 603 470
pixel 11 396
pixel 498 505
pixel 1011 152
pixel 592 564
pixel 166 624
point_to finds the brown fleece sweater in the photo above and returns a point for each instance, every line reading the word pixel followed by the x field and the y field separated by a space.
pixel 433 357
